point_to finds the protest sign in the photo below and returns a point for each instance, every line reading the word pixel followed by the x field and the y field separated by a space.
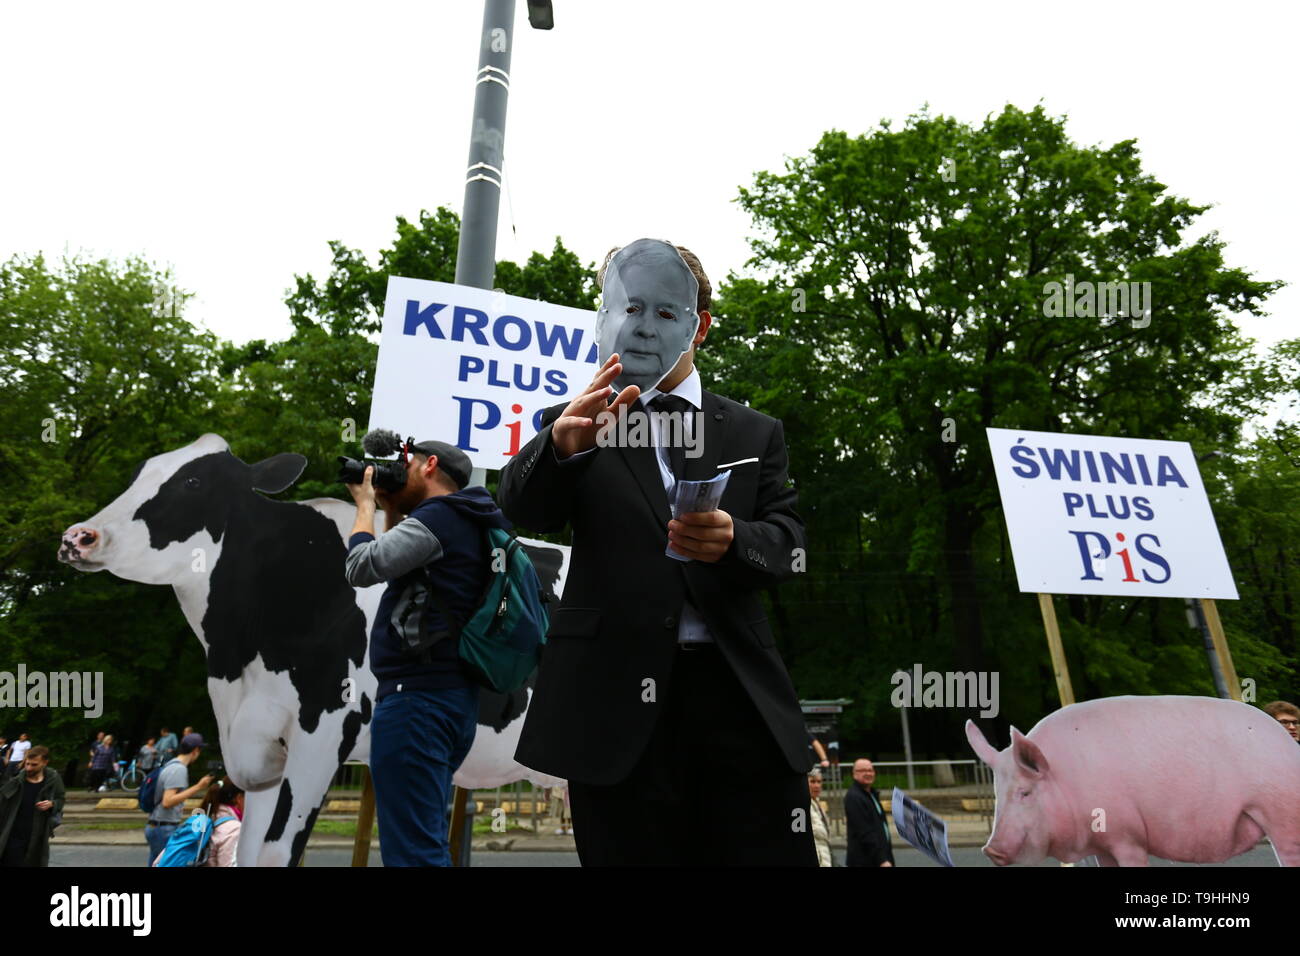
pixel 1089 514
pixel 475 367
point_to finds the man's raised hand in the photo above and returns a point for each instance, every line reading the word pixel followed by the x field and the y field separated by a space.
pixel 576 428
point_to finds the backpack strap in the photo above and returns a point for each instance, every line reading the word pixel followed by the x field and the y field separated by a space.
pixel 157 797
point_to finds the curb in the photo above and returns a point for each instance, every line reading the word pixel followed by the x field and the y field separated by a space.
pixel 507 844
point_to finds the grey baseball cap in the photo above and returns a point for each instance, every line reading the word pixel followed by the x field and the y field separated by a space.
pixel 453 462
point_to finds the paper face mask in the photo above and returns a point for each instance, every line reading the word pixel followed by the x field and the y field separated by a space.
pixel 647 314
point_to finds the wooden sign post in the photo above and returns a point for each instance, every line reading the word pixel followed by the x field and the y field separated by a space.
pixel 1062 672
pixel 1054 647
pixel 1221 651
pixel 365 820
pixel 457 835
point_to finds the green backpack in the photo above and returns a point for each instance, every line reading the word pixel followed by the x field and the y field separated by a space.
pixel 502 641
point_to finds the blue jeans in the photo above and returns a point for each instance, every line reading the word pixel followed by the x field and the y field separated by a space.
pixel 157 835
pixel 417 740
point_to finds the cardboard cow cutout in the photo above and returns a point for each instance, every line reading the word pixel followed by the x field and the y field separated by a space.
pixel 261 583
pixel 1188 779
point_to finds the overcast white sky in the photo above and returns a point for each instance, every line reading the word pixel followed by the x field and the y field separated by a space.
pixel 231 141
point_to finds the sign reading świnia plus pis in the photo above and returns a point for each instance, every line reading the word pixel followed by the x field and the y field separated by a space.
pixel 476 367
pixel 1089 514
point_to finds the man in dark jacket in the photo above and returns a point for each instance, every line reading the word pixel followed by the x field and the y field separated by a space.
pixel 427 704
pixel 661 673
pixel 868 827
pixel 30 803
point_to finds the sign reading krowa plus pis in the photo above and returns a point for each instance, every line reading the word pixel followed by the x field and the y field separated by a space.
pixel 475 367
pixel 1089 514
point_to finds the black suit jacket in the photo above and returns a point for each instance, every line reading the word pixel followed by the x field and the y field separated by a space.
pixel 868 841
pixel 616 625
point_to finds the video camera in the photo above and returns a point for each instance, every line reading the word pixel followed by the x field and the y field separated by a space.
pixel 389 475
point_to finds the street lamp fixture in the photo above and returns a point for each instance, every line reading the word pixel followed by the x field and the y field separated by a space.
pixel 540 14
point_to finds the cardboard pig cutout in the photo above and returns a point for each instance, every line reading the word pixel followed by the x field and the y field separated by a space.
pixel 1188 779
pixel 647 314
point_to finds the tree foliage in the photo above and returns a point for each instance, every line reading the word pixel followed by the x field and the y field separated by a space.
pixel 99 370
pixel 897 295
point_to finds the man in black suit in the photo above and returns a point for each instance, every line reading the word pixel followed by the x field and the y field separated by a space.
pixel 661 678
pixel 868 828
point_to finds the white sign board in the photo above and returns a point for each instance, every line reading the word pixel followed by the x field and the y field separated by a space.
pixel 476 368
pixel 1089 514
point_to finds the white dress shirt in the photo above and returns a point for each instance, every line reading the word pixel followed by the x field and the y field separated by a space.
pixel 691 628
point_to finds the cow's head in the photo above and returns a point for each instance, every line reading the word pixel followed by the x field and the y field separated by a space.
pixel 177 501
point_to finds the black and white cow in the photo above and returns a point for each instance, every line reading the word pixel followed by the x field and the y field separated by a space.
pixel 261 583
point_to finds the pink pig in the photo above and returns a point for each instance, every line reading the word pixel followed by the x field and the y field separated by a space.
pixel 1190 779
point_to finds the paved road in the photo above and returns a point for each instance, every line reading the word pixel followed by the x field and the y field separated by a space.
pixel 82 856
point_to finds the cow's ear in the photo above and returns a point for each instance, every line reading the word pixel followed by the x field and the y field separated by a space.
pixel 278 472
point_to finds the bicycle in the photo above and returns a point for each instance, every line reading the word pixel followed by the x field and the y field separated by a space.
pixel 133 777
pixel 125 776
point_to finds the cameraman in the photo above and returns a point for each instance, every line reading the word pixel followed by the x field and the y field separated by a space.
pixel 427 706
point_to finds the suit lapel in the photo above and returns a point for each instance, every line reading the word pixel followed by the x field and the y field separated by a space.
pixel 715 429
pixel 698 576
pixel 645 469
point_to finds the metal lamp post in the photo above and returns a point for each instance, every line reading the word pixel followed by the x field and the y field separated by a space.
pixel 476 250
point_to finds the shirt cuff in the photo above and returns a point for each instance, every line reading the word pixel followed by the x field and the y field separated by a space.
pixel 361 537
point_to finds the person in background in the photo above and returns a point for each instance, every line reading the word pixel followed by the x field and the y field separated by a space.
pixel 868 829
pixel 103 758
pixel 224 805
pixel 167 744
pixel 560 810
pixel 821 826
pixel 147 757
pixel 17 755
pixel 31 804
pixel 817 753
pixel 172 793
pixel 1286 714
pixel 90 756
pixel 224 799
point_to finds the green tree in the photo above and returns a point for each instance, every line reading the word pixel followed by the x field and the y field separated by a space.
pixel 898 294
pixel 99 370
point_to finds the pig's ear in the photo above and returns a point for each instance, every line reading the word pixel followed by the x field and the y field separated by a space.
pixel 1029 757
pixel 982 748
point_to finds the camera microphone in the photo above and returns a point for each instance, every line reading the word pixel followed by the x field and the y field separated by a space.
pixel 381 442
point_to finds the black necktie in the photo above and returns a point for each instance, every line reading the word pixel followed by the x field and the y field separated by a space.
pixel 677 450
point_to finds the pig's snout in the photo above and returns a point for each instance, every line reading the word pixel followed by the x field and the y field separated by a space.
pixel 998 858
pixel 78 543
